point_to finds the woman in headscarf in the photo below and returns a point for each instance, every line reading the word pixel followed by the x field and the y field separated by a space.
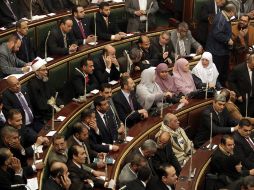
pixel 182 77
pixel 166 83
pixel 205 72
pixel 148 91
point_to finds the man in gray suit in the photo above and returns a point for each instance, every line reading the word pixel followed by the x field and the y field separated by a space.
pixel 183 41
pixel 10 64
pixel 139 13
pixel 130 170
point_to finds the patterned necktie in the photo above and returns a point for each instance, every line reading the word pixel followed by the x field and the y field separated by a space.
pixel 9 6
pixel 182 47
pixel 65 40
pixel 24 105
pixel 105 120
pixel 131 103
pixel 87 154
pixel 81 30
pixel 250 142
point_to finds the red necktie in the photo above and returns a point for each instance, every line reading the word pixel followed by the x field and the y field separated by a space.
pixel 81 29
pixel 87 79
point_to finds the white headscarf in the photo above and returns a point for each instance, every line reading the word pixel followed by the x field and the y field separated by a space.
pixel 148 91
pixel 208 74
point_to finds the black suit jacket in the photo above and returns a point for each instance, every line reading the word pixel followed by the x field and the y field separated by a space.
pixel 8 178
pixel 52 185
pixel 100 71
pixel 26 51
pixel 239 80
pixel 166 155
pixel 156 183
pixel 243 150
pixel 55 5
pixel 95 141
pixel 104 32
pixel 221 125
pixel 76 31
pixel 123 108
pixel 135 185
pixel 6 17
pixel 78 175
pixel 157 51
pixel 56 42
pixel 11 101
pixel 108 133
pixel 207 9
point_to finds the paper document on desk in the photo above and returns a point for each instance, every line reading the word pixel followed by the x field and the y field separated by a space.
pixel 95 91
pixel 128 138
pixel 118 1
pixel 2 28
pixel 37 17
pixel 50 133
pixel 32 183
pixel 15 75
pixel 113 82
pixel 49 59
pixel 51 14
pixel 61 118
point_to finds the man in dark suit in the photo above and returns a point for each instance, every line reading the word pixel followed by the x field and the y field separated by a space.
pixel 59 179
pixel 26 51
pixel 164 153
pixel 57 5
pixel 78 82
pixel 207 12
pixel 11 172
pixel 16 98
pixel 165 180
pixel 88 119
pixel 244 143
pixel 241 81
pixel 143 175
pixel 219 41
pixel 105 121
pixel 61 40
pixel 80 136
pixel 130 170
pixel 81 26
pixel 106 28
pixel 79 177
pixel 247 183
pixel 162 49
pixel 222 122
pixel 8 12
pixel 126 103
pixel 106 65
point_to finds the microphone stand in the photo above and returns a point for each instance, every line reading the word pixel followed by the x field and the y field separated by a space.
pixel 246 105
pixel 206 89
pixel 147 15
pixel 53 114
pixel 95 28
pixel 161 114
pixel 211 132
pixel 125 126
pixel 46 47
pixel 129 62
pixel 84 97
pixel 31 10
pixel 191 172
pixel 106 167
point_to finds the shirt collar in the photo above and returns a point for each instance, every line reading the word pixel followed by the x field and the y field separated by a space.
pixel 78 141
pixel 76 164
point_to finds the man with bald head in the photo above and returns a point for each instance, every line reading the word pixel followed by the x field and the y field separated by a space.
pixel 59 177
pixel 16 98
pixel 164 153
pixel 180 142
pixel 10 64
pixel 106 66
pixel 61 40
pixel 241 81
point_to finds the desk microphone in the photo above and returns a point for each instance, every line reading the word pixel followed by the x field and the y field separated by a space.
pixel 46 47
pixel 129 62
pixel 125 126
pixel 20 185
pixel 84 75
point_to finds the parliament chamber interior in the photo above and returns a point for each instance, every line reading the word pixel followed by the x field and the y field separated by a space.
pixel 134 94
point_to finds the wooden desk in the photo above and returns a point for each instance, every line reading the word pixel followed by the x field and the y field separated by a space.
pixel 141 131
pixel 200 160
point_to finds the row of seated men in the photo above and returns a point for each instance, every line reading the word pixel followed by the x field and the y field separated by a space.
pixel 123 104
pixel 160 160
